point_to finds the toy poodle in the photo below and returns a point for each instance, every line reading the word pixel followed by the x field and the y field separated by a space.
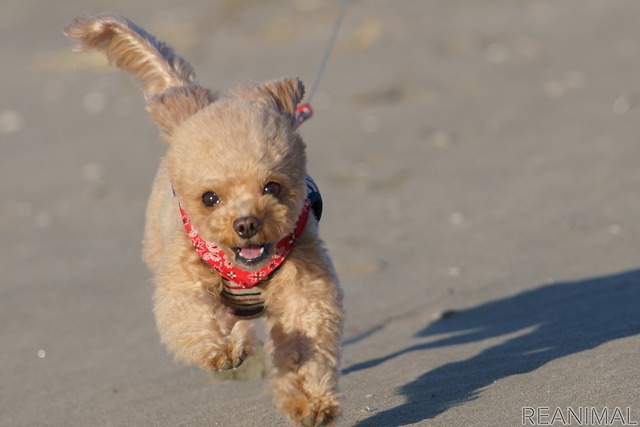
pixel 232 223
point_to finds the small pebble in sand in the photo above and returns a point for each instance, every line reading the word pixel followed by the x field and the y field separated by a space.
pixel 624 103
pixel 615 229
pixel 42 354
pixel 454 271
pixel 440 139
pixel 456 218
pixel 93 172
pixel 11 121
pixel 570 81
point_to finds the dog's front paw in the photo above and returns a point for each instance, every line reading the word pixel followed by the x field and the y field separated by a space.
pixel 240 345
pixel 218 356
pixel 226 360
pixel 226 352
pixel 320 412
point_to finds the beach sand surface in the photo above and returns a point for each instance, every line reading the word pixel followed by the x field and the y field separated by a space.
pixel 479 168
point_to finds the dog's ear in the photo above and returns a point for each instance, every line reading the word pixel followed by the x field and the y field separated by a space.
pixel 177 104
pixel 282 95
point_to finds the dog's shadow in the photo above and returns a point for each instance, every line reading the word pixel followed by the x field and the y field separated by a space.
pixel 549 322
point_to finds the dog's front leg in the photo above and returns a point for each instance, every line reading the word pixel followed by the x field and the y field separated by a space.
pixel 197 327
pixel 305 321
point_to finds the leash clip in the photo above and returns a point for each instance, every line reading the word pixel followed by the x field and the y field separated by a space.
pixel 303 112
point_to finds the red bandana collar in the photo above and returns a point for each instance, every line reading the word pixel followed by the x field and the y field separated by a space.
pixel 217 259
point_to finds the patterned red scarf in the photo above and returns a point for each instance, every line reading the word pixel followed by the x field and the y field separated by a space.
pixel 217 259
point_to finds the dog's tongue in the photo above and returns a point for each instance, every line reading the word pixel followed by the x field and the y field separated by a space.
pixel 251 251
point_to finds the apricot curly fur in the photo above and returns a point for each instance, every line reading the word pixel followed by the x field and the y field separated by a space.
pixel 231 145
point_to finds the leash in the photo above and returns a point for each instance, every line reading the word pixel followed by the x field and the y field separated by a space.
pixel 304 111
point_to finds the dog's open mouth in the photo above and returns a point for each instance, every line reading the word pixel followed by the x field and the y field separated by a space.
pixel 252 254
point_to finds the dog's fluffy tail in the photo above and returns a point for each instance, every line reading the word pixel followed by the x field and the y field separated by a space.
pixel 152 62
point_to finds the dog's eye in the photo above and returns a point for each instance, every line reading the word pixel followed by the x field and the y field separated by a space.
pixel 210 199
pixel 272 188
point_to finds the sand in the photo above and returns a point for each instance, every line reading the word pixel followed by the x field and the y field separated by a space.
pixel 479 166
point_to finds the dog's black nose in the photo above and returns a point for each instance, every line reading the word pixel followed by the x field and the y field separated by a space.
pixel 246 226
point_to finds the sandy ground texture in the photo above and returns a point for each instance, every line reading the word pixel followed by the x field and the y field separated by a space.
pixel 479 165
